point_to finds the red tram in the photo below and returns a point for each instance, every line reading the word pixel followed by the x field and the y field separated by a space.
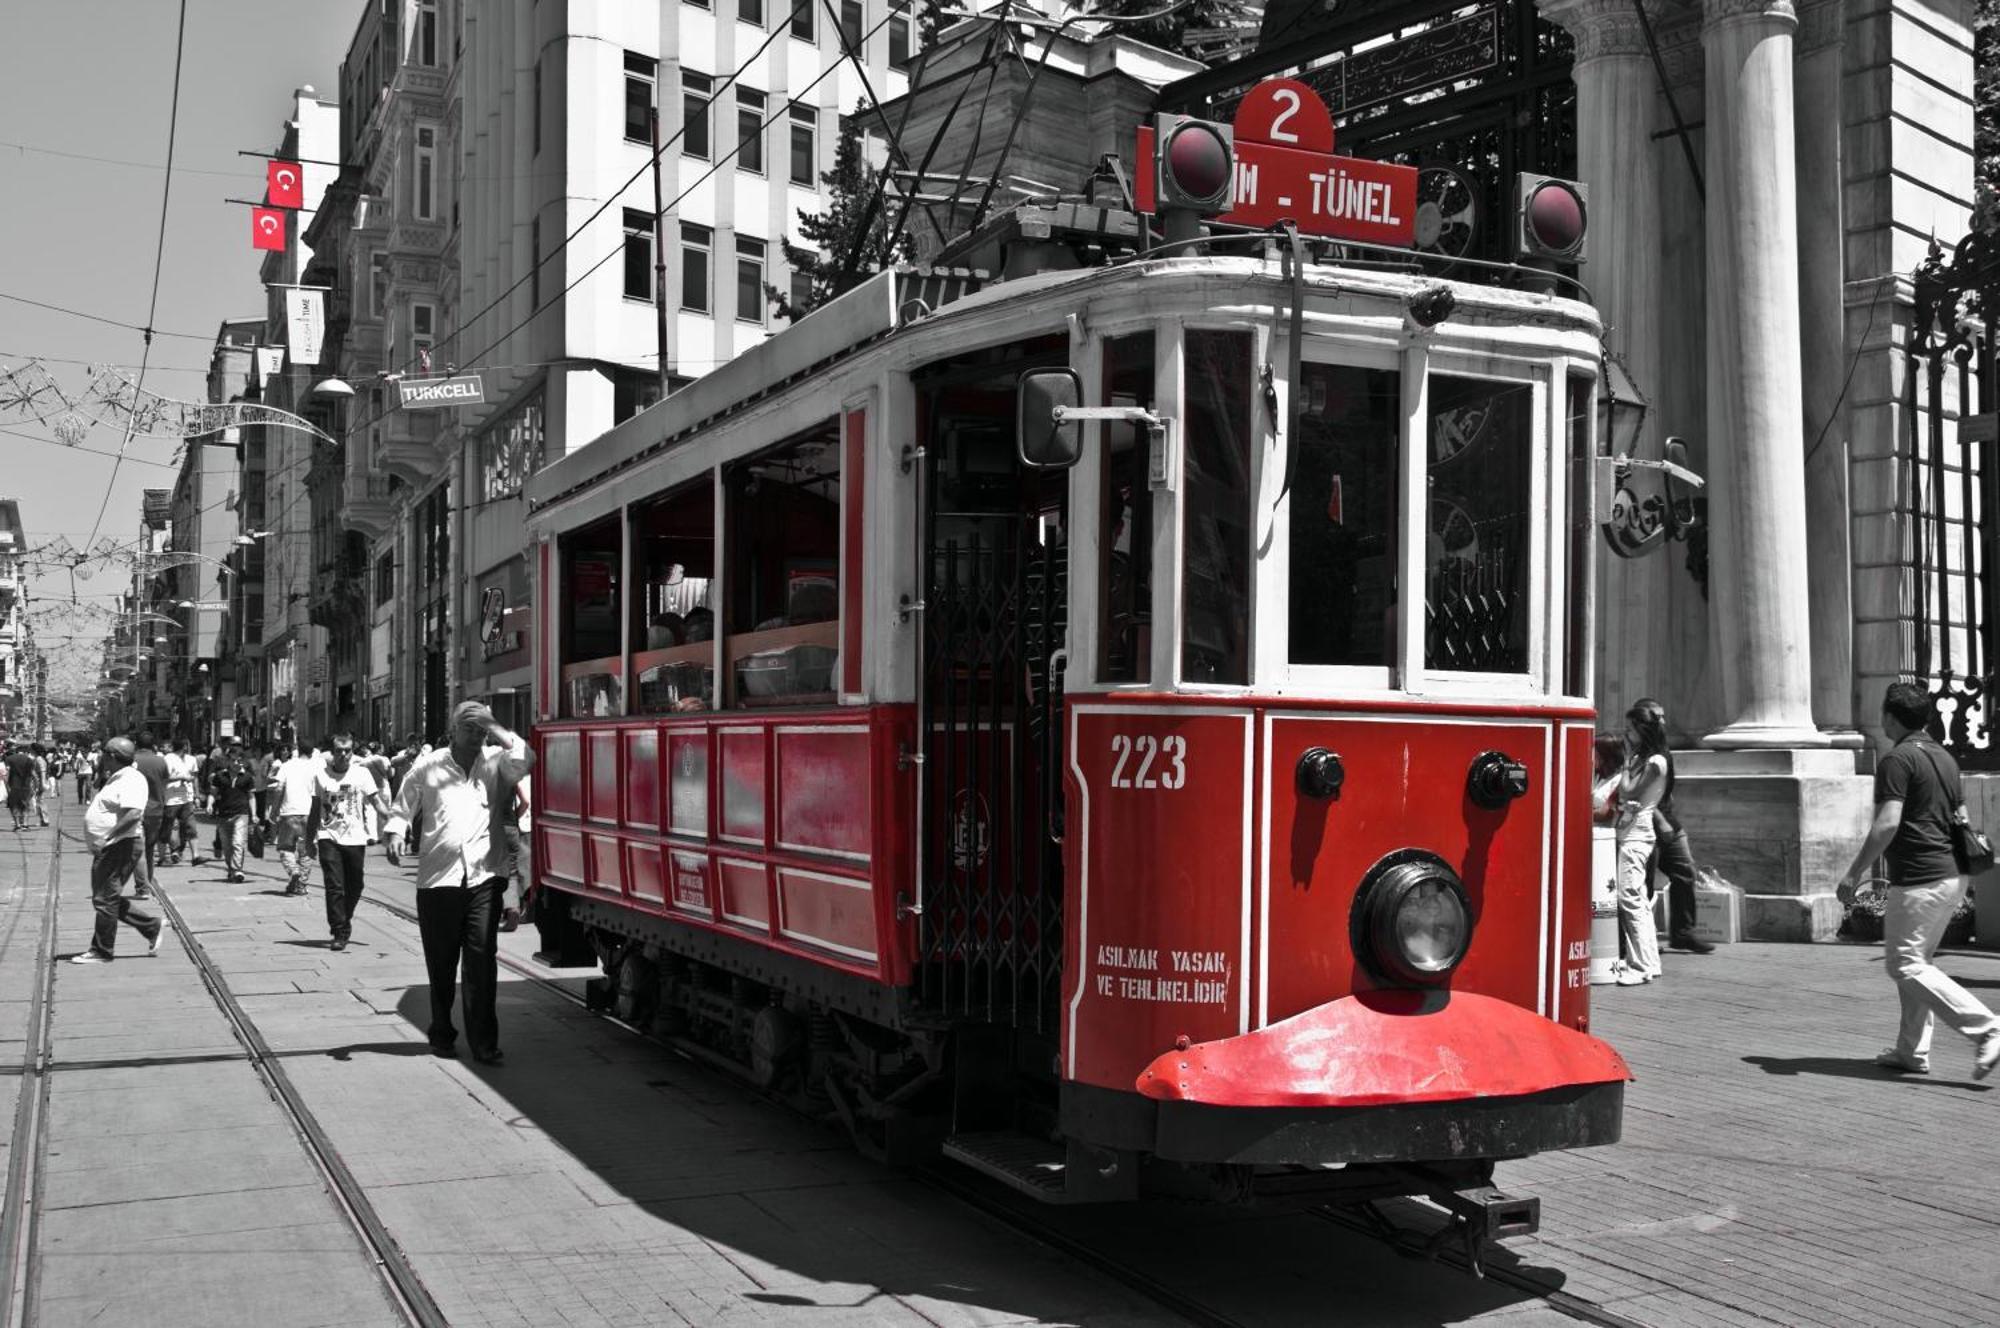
pixel 1191 797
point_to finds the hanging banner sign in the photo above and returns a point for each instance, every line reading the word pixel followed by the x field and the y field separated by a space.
pixel 284 184
pixel 267 228
pixel 1286 171
pixel 305 323
pixel 436 393
pixel 270 360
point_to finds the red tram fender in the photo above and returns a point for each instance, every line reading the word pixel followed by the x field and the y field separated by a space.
pixel 1379 1048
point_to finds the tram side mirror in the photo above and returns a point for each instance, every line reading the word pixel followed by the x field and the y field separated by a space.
pixel 1044 439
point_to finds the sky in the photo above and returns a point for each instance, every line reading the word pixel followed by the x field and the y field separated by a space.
pixel 94 79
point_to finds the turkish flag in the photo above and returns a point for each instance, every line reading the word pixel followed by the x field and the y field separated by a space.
pixel 284 184
pixel 267 228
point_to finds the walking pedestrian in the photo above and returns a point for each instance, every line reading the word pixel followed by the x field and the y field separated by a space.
pixel 464 795
pixel 177 828
pixel 1641 785
pixel 1672 854
pixel 231 787
pixel 82 777
pixel 291 799
pixel 348 804
pixel 114 831
pixel 261 766
pixel 1917 794
pixel 41 755
pixel 153 766
pixel 20 782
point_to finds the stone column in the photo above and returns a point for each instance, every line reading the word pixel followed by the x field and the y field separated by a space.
pixel 1817 104
pixel 1615 114
pixel 1758 581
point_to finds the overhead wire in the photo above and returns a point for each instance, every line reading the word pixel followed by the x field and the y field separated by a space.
pixel 109 322
pixel 159 262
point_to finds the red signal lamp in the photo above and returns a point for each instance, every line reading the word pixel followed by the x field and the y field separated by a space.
pixel 1195 164
pixel 1551 218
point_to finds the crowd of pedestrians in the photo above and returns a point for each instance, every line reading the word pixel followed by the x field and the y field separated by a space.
pixel 459 807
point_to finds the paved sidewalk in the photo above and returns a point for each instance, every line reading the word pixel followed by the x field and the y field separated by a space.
pixel 1769 1174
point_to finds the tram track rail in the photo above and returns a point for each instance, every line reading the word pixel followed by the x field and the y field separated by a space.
pixel 401 1283
pixel 27 1154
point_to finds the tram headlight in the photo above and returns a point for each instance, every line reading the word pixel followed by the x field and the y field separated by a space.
pixel 1412 921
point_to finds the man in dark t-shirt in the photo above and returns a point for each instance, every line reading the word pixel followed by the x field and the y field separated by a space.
pixel 154 767
pixel 20 768
pixel 1917 795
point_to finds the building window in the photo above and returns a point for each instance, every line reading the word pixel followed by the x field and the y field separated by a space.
pixel 535 111
pixel 640 72
pixel 802 293
pixel 696 243
pixel 632 390
pixel 698 4
pixel 427 33
pixel 385 579
pixel 749 280
pixel 850 25
pixel 378 271
pixel 638 254
pixel 423 335
pixel 802 22
pixel 425 202
pixel 535 263
pixel 750 130
pixel 805 145
pixel 899 43
pixel 511 451
pixel 695 90
pixel 750 11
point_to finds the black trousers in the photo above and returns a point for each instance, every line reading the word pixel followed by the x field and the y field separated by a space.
pixel 340 865
pixel 461 925
pixel 108 873
pixel 1673 856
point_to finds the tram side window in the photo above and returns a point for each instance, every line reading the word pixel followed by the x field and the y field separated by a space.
pixel 673 614
pixel 1481 457
pixel 593 669
pixel 1343 546
pixel 1125 519
pixel 782 574
pixel 1582 540
pixel 1215 578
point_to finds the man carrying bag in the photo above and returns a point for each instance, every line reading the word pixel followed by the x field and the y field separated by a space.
pixel 1918 808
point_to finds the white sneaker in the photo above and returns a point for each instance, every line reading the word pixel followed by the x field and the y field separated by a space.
pixel 90 957
pixel 1891 1059
pixel 1987 1056
pixel 159 934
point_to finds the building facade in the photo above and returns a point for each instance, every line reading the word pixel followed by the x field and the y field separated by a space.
pixel 495 213
pixel 20 668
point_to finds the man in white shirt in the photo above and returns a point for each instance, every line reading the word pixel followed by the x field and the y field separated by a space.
pixel 112 830
pixel 464 796
pixel 177 829
pixel 293 784
pixel 347 805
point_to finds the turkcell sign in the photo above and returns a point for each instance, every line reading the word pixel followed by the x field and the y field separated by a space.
pixel 436 393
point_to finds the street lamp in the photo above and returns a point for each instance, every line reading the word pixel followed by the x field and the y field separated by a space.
pixel 332 386
pixel 1621 409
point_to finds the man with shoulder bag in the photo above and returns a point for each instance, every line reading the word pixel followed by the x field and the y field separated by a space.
pixel 1921 830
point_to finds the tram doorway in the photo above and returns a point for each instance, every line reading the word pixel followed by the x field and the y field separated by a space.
pixel 995 552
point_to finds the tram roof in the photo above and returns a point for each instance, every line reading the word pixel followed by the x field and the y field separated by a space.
pixel 911 300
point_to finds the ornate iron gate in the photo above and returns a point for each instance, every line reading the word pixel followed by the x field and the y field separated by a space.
pixel 1951 550
pixel 991 929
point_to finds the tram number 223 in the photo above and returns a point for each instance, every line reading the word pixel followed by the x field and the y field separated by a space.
pixel 1144 761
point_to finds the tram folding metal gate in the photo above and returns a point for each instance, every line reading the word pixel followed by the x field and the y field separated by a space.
pixel 990 935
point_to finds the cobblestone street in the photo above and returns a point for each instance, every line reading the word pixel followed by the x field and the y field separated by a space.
pixel 1769 1174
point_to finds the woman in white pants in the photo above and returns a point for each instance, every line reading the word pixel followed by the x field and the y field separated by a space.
pixel 1641 785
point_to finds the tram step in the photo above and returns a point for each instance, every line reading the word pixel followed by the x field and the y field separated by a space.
pixel 1033 1166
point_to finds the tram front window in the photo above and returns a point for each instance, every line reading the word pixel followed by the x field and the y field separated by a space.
pixel 1215 523
pixel 1343 516
pixel 1476 547
pixel 1125 570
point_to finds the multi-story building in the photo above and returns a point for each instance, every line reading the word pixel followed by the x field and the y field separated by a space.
pixel 200 577
pixel 15 643
pixel 495 213
pixel 277 643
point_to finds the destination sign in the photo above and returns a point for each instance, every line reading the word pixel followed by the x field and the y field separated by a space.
pixel 1286 170
pixel 436 393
